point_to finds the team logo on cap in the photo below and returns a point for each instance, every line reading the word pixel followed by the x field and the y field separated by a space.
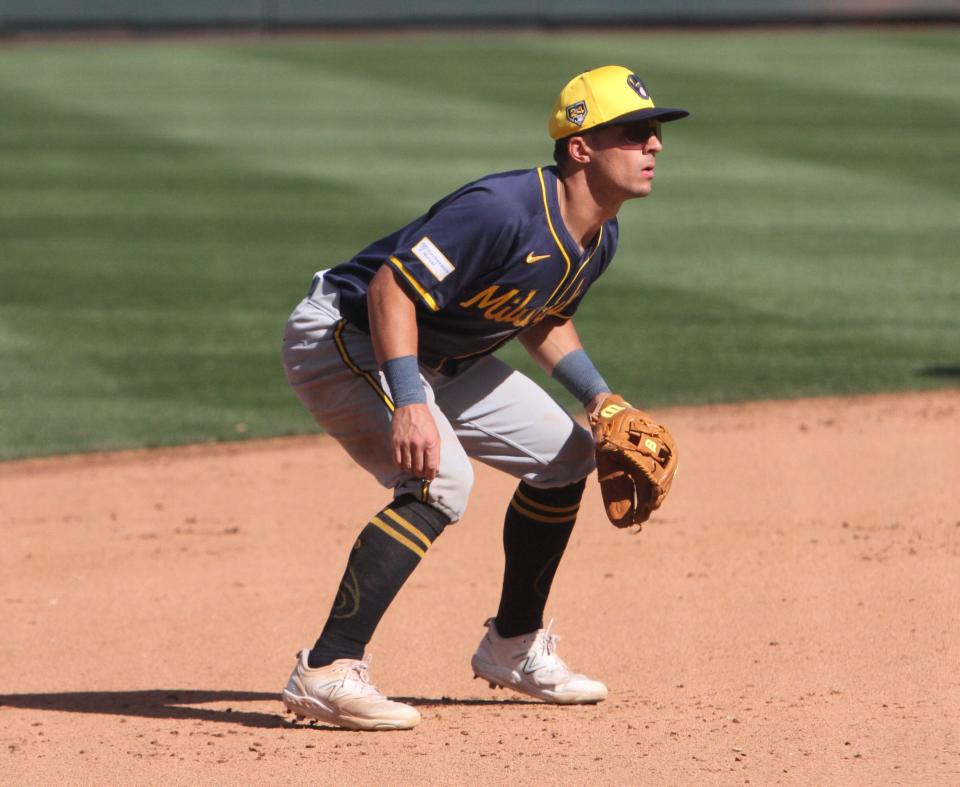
pixel 636 84
pixel 577 112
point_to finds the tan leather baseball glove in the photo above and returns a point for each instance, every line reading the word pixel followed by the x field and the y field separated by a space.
pixel 636 460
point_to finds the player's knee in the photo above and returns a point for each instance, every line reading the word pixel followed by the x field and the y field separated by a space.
pixel 450 490
pixel 573 462
pixel 567 496
pixel 582 457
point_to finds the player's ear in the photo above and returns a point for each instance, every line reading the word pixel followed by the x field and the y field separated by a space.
pixel 578 149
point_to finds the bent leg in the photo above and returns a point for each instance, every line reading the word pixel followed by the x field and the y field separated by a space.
pixel 332 369
pixel 506 420
pixel 536 530
pixel 383 557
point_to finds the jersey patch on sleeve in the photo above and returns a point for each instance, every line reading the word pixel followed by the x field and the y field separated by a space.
pixel 432 258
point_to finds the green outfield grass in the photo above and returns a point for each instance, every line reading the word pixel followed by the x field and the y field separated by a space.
pixel 164 204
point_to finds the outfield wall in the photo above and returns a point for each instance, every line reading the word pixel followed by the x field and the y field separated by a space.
pixel 278 14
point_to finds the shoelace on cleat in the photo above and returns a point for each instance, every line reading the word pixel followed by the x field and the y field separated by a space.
pixel 549 640
pixel 554 665
pixel 359 671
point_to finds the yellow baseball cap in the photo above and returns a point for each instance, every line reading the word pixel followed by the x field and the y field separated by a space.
pixel 604 96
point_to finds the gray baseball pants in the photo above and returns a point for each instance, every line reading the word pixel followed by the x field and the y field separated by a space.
pixel 487 411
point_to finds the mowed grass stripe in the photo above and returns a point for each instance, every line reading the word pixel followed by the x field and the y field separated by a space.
pixel 164 206
pixel 266 114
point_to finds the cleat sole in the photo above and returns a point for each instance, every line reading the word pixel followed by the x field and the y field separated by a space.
pixel 489 682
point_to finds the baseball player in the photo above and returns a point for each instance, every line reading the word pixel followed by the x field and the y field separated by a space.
pixel 392 353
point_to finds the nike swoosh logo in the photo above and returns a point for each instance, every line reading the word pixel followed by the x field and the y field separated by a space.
pixel 532 258
pixel 529 665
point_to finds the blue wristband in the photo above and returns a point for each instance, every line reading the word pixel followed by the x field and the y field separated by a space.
pixel 576 372
pixel 403 379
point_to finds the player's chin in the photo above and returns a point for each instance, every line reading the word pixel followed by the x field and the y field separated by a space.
pixel 642 185
pixel 636 188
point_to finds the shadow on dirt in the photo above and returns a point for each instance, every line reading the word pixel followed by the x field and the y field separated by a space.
pixel 155 704
pixel 180 704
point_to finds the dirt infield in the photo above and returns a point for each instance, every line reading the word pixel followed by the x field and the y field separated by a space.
pixel 790 618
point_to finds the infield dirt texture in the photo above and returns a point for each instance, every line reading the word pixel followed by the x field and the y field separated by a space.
pixel 789 617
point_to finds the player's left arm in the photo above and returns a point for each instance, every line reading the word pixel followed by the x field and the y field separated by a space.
pixel 556 347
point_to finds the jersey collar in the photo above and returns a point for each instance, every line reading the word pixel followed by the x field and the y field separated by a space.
pixel 550 177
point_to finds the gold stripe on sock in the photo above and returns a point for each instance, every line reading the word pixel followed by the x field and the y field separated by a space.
pixel 397 536
pixel 408 527
pixel 546 509
pixel 550 520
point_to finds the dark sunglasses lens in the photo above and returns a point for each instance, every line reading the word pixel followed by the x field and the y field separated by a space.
pixel 639 133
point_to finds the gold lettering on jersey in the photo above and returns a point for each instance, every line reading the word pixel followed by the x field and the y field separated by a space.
pixel 512 307
pixel 509 306
pixel 516 312
pixel 488 299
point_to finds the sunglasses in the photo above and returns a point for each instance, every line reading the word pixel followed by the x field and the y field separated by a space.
pixel 638 133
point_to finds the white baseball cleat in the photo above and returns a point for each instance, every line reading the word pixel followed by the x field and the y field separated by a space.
pixel 341 694
pixel 529 664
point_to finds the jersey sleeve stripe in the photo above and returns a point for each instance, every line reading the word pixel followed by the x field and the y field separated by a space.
pixel 424 295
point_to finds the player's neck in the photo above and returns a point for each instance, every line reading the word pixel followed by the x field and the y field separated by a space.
pixel 582 212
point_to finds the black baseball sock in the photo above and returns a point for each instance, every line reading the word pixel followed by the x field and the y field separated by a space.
pixel 535 534
pixel 386 553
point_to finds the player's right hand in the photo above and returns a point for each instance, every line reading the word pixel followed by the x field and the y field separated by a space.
pixel 416 441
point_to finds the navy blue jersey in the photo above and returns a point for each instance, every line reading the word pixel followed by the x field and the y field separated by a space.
pixel 485 262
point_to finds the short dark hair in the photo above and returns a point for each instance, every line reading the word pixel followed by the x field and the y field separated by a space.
pixel 561 153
